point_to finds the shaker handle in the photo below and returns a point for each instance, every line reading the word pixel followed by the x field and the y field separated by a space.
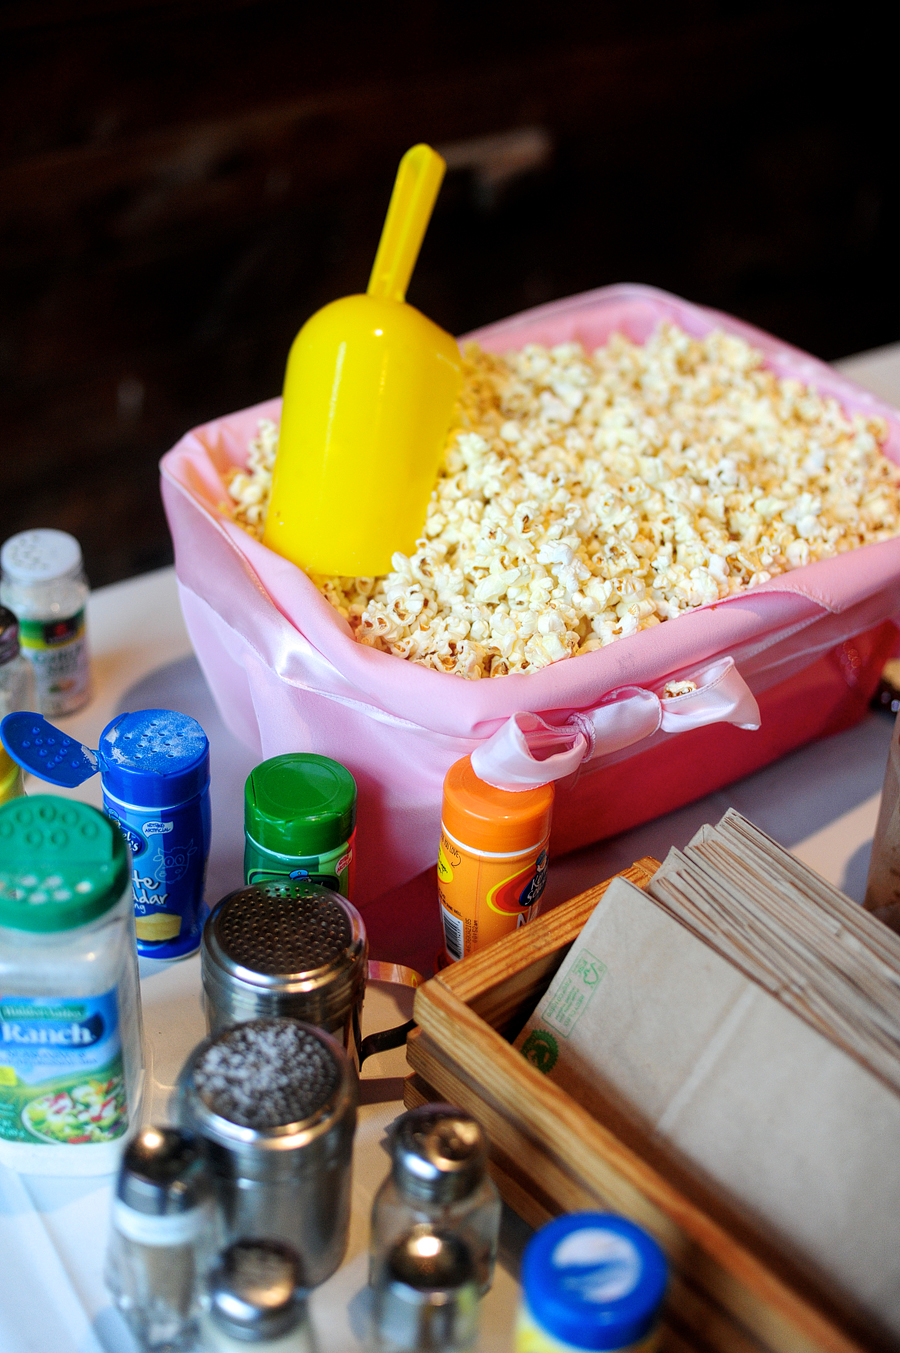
pixel 396 974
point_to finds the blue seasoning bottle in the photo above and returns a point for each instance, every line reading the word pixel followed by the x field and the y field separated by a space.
pixel 154 773
pixel 155 782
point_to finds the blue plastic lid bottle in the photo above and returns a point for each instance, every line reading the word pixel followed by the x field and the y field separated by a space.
pixel 154 773
pixel 155 780
pixel 591 1280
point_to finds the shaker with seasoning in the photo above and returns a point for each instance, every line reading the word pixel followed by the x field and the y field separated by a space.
pixel 44 585
pixel 71 1066
pixel 154 772
pixel 287 949
pixel 161 1240
pixel 274 1102
pixel 425 1299
pixel 300 822
pixel 254 1298
pixel 492 863
pixel 438 1178
pixel 16 692
pixel 591 1280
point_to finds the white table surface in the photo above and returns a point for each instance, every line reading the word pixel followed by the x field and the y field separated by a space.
pixel 821 801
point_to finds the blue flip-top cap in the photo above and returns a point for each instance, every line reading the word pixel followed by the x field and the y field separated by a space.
pixel 155 758
pixel 594 1280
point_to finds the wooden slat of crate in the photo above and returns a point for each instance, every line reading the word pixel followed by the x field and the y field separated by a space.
pixel 568 1160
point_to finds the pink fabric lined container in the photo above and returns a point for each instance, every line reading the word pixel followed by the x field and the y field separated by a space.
pixel 288 676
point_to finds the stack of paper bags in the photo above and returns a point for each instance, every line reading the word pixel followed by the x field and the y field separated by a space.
pixel 744 1016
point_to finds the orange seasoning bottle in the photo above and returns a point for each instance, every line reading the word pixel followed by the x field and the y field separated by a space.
pixel 492 864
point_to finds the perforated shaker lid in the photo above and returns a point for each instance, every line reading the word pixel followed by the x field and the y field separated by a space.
pixel 162 1173
pixel 253 1291
pixel 62 864
pixel 438 1153
pixel 40 556
pixel 267 936
pixel 156 758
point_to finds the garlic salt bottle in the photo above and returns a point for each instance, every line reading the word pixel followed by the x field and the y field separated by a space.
pixel 71 1066
pixel 44 585
pixel 438 1178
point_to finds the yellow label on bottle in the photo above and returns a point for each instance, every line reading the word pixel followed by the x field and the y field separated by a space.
pixel 484 897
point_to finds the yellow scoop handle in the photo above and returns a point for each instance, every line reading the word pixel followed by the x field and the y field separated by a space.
pixel 418 181
pixel 368 400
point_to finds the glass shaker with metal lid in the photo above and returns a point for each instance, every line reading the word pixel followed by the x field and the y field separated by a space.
pixel 288 949
pixel 162 1238
pixel 438 1178
pixel 254 1298
pixel 274 1102
pixel 426 1297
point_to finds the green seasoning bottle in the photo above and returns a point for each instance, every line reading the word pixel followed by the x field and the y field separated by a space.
pixel 300 822
pixel 70 1017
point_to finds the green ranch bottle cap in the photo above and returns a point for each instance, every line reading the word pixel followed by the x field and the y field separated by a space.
pixel 300 804
pixel 62 864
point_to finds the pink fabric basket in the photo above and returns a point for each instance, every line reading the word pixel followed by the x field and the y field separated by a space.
pixel 287 675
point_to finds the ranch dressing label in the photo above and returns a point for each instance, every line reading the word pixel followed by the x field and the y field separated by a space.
pixel 61 1076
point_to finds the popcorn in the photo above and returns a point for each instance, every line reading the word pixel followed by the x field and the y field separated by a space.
pixel 584 498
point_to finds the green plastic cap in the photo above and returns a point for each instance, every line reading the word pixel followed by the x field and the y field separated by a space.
pixel 300 804
pixel 62 864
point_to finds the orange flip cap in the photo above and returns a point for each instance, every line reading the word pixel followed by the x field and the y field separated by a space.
pixel 497 821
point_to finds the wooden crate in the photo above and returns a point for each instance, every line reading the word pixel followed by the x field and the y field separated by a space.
pixel 731 1288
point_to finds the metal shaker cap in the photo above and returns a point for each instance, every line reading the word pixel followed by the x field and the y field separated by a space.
pixel 428 1296
pixel 284 945
pixel 438 1153
pixel 253 1292
pixel 268 1080
pixel 162 1173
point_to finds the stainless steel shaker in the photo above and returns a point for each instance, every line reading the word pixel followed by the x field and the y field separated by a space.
pixel 274 1104
pixel 286 949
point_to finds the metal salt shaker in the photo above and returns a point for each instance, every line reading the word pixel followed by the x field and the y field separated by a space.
pixel 439 1178
pixel 253 1298
pixel 274 1102
pixel 426 1297
pixel 290 949
pixel 161 1238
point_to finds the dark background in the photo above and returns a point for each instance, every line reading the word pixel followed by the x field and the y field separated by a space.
pixel 182 184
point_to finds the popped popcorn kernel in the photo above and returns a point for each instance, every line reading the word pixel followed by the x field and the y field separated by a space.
pixel 584 497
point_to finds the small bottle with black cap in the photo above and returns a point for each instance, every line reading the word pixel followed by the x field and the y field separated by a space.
pixel 426 1296
pixel 161 1240
pixel 254 1297
pixel 439 1179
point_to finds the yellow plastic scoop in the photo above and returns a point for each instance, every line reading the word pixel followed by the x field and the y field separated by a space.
pixel 368 398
